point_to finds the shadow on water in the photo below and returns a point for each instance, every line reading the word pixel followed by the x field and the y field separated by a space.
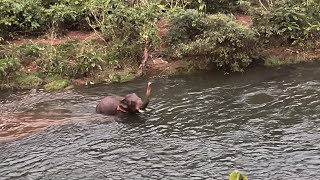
pixel 131 118
pixel 263 122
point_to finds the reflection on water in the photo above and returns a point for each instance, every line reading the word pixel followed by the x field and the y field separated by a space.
pixel 262 122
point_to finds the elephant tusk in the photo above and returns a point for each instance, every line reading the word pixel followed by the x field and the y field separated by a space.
pixel 121 109
pixel 140 111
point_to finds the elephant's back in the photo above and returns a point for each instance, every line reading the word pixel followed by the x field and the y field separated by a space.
pixel 108 105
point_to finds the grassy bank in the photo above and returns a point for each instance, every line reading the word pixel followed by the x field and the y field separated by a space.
pixel 35 65
pixel 115 39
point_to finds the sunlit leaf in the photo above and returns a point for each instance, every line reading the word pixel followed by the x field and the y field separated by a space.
pixel 236 175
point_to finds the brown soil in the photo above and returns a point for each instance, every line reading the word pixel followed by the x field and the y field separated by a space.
pixel 245 20
pixel 31 67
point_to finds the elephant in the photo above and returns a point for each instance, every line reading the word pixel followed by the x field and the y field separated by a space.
pixel 131 103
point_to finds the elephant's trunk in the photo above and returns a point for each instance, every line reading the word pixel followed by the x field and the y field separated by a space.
pixel 146 101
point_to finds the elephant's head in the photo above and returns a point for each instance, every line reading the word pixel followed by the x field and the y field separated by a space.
pixel 133 103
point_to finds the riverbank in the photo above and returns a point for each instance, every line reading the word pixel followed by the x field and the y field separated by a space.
pixel 87 46
pixel 64 44
pixel 76 59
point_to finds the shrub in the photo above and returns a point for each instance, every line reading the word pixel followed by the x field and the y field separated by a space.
pixel 27 52
pixel 220 40
pixel 118 20
pixel 8 67
pixel 288 22
pixel 223 6
pixel 122 52
pixel 72 59
pixel 38 16
pixel 125 27
pixel 56 83
pixel 19 16
pixel 28 81
pixel 86 64
pixel 186 24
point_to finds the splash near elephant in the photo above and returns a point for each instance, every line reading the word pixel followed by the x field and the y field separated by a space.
pixel 131 103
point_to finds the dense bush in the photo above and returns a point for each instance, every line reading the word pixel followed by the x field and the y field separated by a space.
pixel 117 20
pixel 121 52
pixel 225 6
pixel 126 29
pixel 288 22
pixel 28 81
pixel 185 25
pixel 39 16
pixel 20 16
pixel 217 38
pixel 72 60
pixel 296 20
pixel 8 67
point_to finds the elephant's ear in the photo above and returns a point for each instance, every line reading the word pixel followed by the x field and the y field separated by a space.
pixel 124 103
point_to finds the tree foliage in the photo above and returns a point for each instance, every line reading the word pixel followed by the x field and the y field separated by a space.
pixel 198 29
pixel 216 38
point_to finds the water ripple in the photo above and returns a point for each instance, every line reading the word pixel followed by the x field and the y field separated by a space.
pixel 199 127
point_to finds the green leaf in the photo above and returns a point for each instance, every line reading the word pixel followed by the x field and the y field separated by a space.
pixel 202 6
pixel 236 175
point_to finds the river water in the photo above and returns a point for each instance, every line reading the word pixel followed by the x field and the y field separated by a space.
pixel 263 122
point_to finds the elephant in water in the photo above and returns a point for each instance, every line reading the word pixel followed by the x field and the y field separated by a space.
pixel 131 103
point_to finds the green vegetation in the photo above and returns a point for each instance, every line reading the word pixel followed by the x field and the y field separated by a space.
pixel 273 62
pixel 236 175
pixel 28 81
pixel 216 38
pixel 205 33
pixel 119 77
pixel 8 67
pixel 188 70
pixel 55 83
pixel 171 71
